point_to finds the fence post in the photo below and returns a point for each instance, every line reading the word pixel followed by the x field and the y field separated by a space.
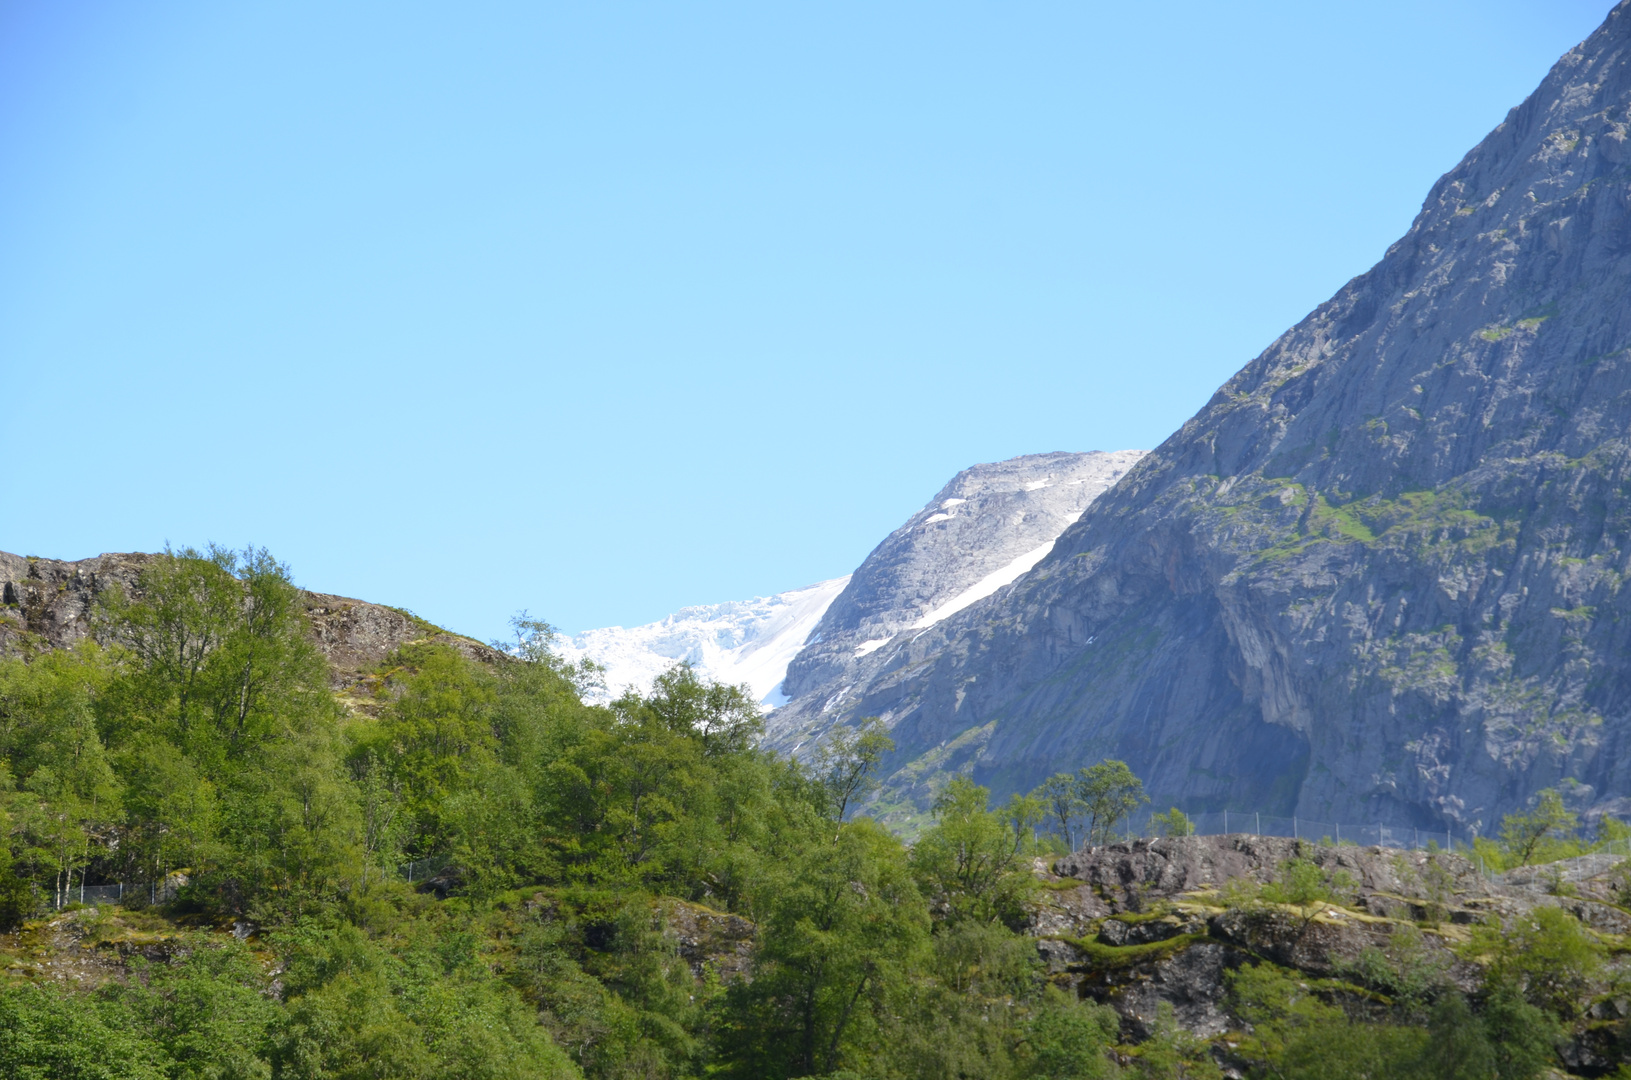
pixel 1294 835
pixel 1226 823
pixel 1257 823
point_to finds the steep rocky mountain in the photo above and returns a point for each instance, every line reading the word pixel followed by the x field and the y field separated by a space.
pixel 984 529
pixel 990 524
pixel 742 641
pixel 51 602
pixel 1378 577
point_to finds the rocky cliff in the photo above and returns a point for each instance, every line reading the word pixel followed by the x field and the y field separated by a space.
pixel 51 602
pixel 1160 922
pixel 1378 577
pixel 984 529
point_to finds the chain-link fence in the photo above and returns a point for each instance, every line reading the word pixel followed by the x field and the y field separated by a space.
pixel 158 892
pixel 1222 822
pixel 424 869
pixel 146 892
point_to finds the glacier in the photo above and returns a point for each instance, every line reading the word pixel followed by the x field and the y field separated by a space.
pixel 736 642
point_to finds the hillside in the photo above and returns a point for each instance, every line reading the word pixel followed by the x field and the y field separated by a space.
pixel 51 603
pixel 1378 577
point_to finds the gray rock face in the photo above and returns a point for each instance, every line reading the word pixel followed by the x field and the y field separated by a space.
pixel 1163 897
pixel 50 603
pixel 1378 578
pixel 982 531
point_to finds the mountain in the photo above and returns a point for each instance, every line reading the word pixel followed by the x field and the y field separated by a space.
pixel 986 527
pixel 1378 577
pixel 748 641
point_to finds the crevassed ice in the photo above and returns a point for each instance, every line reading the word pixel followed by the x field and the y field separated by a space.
pixel 741 642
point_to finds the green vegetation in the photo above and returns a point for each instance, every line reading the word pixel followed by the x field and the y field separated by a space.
pixel 630 890
pixel 1096 800
pixel 1547 832
pixel 196 739
pixel 1421 522
pixel 1173 823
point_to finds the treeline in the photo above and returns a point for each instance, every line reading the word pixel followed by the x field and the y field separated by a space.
pixel 196 734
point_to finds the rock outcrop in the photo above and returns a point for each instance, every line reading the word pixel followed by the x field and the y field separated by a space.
pixel 50 602
pixel 1162 921
pixel 1378 578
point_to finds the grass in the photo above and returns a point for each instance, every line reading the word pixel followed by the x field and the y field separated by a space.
pixel 1118 957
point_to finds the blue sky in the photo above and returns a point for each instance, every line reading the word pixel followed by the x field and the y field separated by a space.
pixel 603 310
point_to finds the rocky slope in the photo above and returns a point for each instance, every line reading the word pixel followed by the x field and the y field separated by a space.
pixel 1378 577
pixel 982 531
pixel 1157 921
pixel 985 528
pixel 51 602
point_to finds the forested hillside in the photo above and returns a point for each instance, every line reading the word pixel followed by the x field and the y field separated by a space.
pixel 635 890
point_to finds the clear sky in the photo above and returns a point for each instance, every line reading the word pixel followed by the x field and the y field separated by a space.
pixel 605 309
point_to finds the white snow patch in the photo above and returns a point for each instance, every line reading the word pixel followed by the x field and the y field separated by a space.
pixel 1038 485
pixel 750 641
pixel 984 587
pixel 949 503
pixel 936 517
pixel 872 646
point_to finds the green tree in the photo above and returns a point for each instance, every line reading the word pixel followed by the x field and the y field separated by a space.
pixel 847 762
pixel 1024 814
pixel 1521 1036
pixel 1173 1053
pixel 1304 883
pixel 1067 1039
pixel 68 798
pixel 1061 796
pixel 841 935
pixel 49 1035
pixel 222 662
pixel 1546 954
pixel 970 861
pixel 1173 823
pixel 1109 792
pixel 1537 834
pixel 1457 1047
pixel 210 1011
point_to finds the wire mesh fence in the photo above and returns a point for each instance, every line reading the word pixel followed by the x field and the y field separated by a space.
pixel 1605 856
pixel 1223 822
pixel 423 869
pixel 159 892
pixel 147 892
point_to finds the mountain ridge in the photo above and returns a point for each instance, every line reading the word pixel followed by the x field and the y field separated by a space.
pixel 1377 576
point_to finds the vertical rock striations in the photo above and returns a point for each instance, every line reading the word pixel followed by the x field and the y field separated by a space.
pixel 1378 577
